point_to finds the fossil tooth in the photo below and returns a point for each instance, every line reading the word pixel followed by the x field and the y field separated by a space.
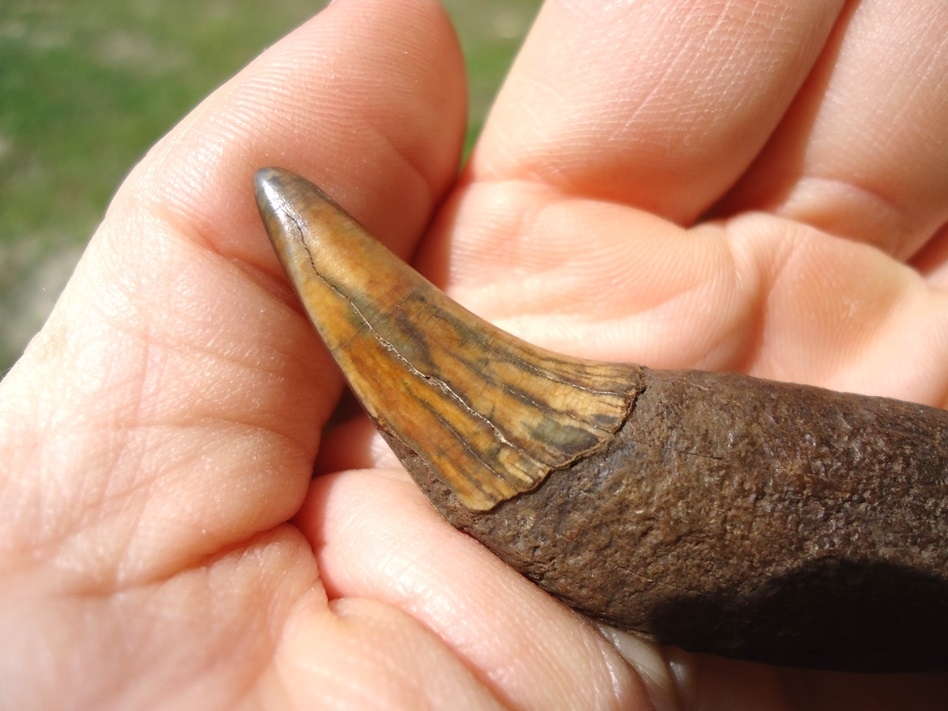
pixel 408 350
pixel 718 512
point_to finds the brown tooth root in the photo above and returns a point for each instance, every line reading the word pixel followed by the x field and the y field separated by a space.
pixel 718 512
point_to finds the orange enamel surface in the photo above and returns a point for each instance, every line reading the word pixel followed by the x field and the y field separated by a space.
pixel 491 414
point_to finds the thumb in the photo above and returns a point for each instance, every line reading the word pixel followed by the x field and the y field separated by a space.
pixel 177 367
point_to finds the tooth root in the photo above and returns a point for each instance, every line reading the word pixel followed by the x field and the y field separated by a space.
pixel 491 414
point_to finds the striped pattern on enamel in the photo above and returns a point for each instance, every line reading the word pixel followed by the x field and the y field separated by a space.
pixel 490 413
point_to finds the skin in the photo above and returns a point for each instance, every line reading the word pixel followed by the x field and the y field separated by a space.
pixel 753 186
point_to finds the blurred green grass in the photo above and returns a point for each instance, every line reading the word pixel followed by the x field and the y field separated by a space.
pixel 86 86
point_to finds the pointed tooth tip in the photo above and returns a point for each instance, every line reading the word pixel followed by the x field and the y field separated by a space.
pixel 280 193
pixel 309 232
pixel 283 198
pixel 271 176
pixel 267 175
pixel 271 186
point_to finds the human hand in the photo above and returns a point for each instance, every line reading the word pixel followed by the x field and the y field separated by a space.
pixel 164 544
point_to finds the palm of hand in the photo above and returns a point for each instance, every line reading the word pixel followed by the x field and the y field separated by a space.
pixel 691 192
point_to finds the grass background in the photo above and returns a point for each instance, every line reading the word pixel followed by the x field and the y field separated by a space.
pixel 86 86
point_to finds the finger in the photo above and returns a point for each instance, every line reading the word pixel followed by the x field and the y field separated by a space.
pixel 197 641
pixel 360 654
pixel 838 314
pixel 171 406
pixel 376 537
pixel 657 105
pixel 863 150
